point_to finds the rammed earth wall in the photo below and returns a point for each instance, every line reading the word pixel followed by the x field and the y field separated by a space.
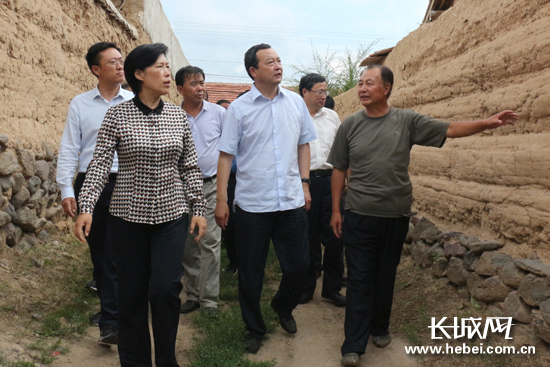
pixel 478 58
pixel 42 65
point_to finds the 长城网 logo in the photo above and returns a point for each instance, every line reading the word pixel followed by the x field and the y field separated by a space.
pixel 471 327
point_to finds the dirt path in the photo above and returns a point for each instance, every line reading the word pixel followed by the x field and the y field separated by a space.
pixel 88 353
pixel 319 338
pixel 317 343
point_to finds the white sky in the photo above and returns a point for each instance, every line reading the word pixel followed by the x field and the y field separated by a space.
pixel 214 35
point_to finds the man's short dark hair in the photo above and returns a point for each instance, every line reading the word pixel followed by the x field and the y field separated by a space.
pixel 309 80
pixel 251 59
pixel 185 72
pixel 222 101
pixel 140 58
pixel 93 55
pixel 329 102
pixel 386 73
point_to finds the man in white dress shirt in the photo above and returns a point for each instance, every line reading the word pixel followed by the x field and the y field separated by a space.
pixel 84 119
pixel 268 131
pixel 313 88
pixel 201 260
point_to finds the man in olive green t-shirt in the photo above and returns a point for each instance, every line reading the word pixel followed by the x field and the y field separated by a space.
pixel 374 144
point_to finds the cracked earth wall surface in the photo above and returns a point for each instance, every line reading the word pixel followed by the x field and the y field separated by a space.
pixel 42 61
pixel 478 58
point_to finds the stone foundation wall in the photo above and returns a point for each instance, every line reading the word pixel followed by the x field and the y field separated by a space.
pixel 510 287
pixel 30 201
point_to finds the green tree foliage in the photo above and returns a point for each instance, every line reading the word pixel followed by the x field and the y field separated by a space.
pixel 340 69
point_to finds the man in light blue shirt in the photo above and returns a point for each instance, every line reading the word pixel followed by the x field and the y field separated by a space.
pixel 201 259
pixel 268 131
pixel 84 119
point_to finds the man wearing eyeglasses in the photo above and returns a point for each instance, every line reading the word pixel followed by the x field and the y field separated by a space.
pixel 313 89
pixel 84 119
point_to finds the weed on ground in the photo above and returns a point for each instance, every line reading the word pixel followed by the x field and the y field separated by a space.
pixel 44 303
pixel 222 339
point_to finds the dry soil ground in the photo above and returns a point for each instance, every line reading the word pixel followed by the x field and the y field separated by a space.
pixel 317 343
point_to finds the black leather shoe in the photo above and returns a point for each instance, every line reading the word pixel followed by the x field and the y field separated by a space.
pixel 336 298
pixel 287 321
pixel 94 320
pixel 108 335
pixel 305 298
pixel 252 344
pixel 189 306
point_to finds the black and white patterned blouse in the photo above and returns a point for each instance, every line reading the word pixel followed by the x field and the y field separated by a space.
pixel 158 176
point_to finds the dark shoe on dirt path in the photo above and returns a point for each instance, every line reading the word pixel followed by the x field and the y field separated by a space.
pixel 94 320
pixel 381 341
pixel 336 298
pixel 287 321
pixel 189 306
pixel 252 344
pixel 351 359
pixel 108 335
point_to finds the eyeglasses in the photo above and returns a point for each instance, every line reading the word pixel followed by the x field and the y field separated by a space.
pixel 320 92
pixel 114 62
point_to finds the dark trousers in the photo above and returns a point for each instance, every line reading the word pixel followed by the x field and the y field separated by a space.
pixel 320 232
pixel 288 232
pixel 149 273
pixel 373 251
pixel 101 252
pixel 228 234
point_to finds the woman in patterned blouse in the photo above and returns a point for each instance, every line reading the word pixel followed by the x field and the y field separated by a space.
pixel 158 184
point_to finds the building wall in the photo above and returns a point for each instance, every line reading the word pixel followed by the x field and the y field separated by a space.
pixel 477 59
pixel 42 64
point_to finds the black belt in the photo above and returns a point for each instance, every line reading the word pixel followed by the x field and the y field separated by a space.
pixel 208 179
pixel 112 176
pixel 320 173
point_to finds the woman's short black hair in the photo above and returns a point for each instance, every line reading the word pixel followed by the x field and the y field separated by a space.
pixel 140 58
pixel 93 57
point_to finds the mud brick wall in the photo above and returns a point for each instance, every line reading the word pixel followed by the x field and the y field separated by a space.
pixel 478 58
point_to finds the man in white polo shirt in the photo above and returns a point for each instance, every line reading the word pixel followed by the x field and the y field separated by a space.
pixel 84 119
pixel 201 260
pixel 313 89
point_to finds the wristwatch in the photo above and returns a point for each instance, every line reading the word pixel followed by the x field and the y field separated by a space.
pixel 306 180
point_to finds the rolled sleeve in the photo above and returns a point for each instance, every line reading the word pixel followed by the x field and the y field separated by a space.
pixel 231 133
pixel 339 153
pixel 307 132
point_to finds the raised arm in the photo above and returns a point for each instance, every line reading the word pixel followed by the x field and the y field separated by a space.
pixel 459 129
